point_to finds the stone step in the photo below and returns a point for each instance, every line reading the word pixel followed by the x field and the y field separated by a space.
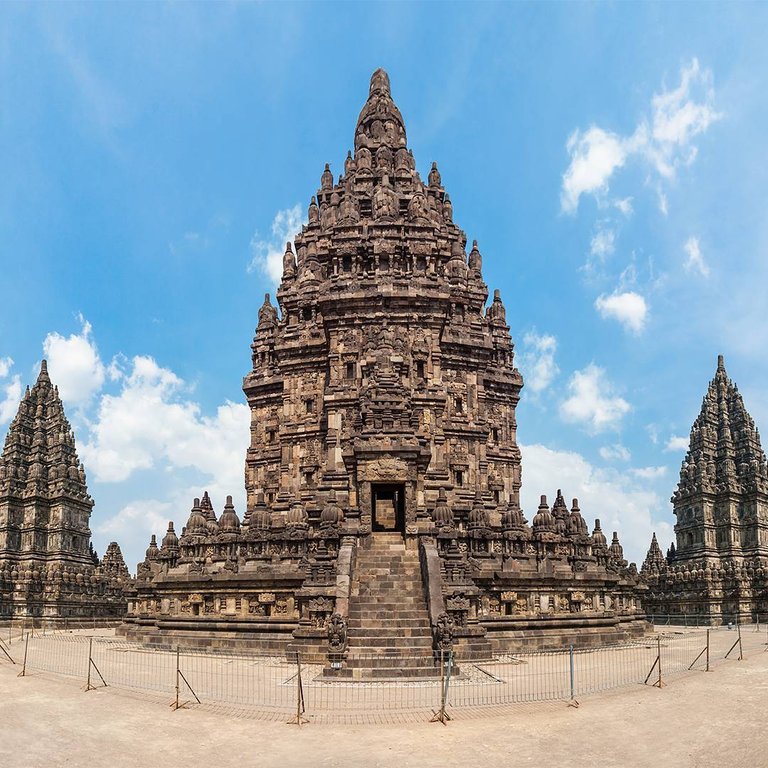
pixel 394 643
pixel 399 564
pixel 395 661
pixel 393 622
pixel 387 611
pixel 394 625
pixel 389 629
pixel 375 602
pixel 372 630
pixel 360 633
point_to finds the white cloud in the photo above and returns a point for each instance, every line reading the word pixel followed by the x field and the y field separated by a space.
pixel 676 443
pixel 603 243
pixel 695 261
pixel 133 525
pixel 615 452
pixel 664 141
pixel 623 501
pixel 678 117
pixel 267 255
pixel 152 423
pixel 663 203
pixel 595 155
pixel 10 391
pixel 537 360
pixel 629 308
pixel 74 364
pixel 624 205
pixel 649 473
pixel 593 402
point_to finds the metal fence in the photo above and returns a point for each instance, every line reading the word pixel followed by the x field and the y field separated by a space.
pixel 278 687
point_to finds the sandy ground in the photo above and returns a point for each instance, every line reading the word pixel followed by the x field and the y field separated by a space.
pixel 701 719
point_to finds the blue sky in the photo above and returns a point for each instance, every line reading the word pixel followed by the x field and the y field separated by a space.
pixel 609 158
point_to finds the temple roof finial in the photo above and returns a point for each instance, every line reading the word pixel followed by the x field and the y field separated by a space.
pixel 43 375
pixel 720 363
pixel 379 81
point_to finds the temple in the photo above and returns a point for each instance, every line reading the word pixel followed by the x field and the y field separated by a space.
pixel 383 474
pixel 716 571
pixel 48 569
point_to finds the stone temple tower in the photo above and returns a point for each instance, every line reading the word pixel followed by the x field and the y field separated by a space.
pixel 382 394
pixel 46 568
pixel 717 568
pixel 385 379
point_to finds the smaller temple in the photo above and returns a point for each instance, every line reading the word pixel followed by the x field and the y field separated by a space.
pixel 717 570
pixel 48 568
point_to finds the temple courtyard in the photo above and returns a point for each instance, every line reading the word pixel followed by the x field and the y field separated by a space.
pixel 697 719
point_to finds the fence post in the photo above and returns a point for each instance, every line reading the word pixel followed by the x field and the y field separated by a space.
pixel 5 651
pixel 24 665
pixel 736 642
pixel 177 677
pixel 659 683
pixel 707 669
pixel 572 702
pixel 298 718
pixel 657 663
pixel 441 715
pixel 92 663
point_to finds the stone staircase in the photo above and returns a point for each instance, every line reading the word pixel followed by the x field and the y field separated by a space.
pixel 388 630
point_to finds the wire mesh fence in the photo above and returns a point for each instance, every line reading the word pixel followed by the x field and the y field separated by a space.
pixel 376 688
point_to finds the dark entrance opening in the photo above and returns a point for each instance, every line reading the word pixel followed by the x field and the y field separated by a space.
pixel 388 506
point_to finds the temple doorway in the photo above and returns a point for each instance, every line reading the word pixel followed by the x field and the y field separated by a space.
pixel 388 506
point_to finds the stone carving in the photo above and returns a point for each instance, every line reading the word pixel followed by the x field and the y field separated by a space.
pixel 337 633
pixel 444 632
pixel 386 469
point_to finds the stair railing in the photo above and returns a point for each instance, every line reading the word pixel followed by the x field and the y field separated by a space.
pixel 338 623
pixel 432 580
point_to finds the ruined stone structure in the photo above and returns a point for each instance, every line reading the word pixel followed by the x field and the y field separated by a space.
pixel 718 568
pixel 46 567
pixel 383 474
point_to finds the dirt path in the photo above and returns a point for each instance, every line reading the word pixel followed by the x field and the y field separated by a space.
pixel 704 719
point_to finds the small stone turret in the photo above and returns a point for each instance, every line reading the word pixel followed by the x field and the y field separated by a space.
pixel 598 537
pixel 260 518
pixel 543 522
pixel 332 514
pixel 229 522
pixel 197 525
pixel 113 563
pixel 170 543
pixel 654 559
pixel 577 525
pixel 152 550
pixel 441 514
